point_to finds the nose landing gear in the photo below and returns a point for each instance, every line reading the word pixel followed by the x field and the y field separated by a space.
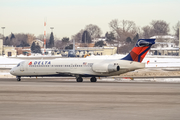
pixel 18 78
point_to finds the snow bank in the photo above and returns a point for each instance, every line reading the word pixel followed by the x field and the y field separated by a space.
pixel 6 62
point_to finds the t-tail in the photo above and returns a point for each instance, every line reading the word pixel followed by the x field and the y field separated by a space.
pixel 140 50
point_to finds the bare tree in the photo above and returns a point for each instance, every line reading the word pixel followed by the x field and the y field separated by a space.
pixel 65 42
pixel 123 29
pixel 147 32
pixel 9 40
pixel 78 37
pixel 160 27
pixel 58 44
pixel 129 27
pixel 93 30
pixel 61 44
pixel 115 26
pixel 176 29
pixel 31 37
pixel 21 40
pixel 41 37
pixel 86 37
pixel 140 32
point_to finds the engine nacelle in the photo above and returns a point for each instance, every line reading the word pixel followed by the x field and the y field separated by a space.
pixel 105 68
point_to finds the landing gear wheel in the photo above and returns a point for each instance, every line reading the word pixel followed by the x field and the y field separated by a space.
pixel 18 78
pixel 79 79
pixel 93 79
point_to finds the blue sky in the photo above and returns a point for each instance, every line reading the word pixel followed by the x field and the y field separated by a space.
pixel 70 16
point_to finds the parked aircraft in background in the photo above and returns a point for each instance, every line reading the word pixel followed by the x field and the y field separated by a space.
pixel 84 67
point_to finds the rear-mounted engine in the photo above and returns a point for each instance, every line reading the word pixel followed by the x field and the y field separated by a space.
pixel 106 68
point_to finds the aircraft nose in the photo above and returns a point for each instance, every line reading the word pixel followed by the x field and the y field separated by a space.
pixel 12 71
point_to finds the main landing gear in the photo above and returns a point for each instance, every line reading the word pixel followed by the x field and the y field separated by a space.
pixel 93 79
pixel 80 79
pixel 18 78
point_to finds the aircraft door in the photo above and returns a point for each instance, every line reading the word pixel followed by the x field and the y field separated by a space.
pixel 22 66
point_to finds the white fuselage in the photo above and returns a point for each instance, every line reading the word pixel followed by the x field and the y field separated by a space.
pixel 72 67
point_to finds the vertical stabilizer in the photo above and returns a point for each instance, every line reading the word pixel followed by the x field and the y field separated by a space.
pixel 140 50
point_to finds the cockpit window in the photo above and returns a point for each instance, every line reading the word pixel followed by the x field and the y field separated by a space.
pixel 18 65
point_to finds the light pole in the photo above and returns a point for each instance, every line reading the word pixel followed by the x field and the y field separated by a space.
pixel 179 41
pixel 3 40
pixel 3 31
pixel 51 29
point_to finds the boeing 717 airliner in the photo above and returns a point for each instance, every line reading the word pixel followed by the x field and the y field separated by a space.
pixel 84 67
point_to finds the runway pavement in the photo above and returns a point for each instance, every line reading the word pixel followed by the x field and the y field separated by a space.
pixel 64 99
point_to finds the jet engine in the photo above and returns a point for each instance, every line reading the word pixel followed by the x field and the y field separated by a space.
pixel 105 68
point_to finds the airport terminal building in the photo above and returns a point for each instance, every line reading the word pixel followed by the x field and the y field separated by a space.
pixel 165 45
pixel 7 50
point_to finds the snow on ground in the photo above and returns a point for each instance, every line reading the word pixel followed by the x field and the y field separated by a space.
pixel 150 61
pixel 126 79
pixel 6 62
pixel 155 61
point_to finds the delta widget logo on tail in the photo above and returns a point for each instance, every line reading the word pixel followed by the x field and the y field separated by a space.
pixel 140 50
